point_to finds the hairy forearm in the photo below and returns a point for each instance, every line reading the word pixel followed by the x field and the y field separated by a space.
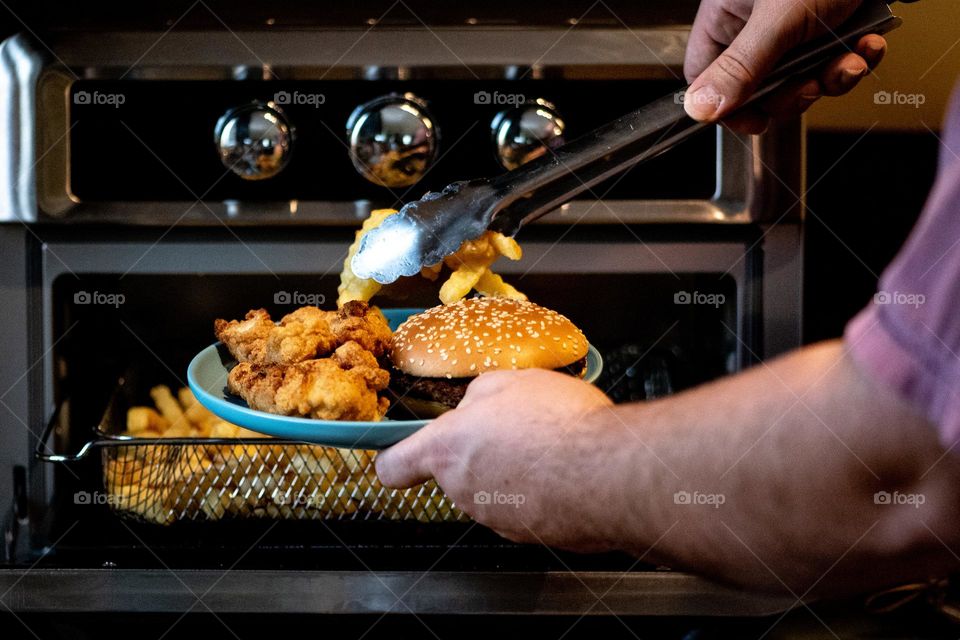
pixel 781 465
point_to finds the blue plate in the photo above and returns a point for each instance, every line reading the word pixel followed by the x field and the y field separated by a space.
pixel 207 377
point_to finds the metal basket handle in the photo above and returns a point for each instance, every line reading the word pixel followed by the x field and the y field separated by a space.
pixel 42 452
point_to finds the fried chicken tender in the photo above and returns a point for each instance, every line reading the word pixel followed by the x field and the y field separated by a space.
pixel 246 339
pixel 341 387
pixel 359 322
pixel 304 334
pixel 301 335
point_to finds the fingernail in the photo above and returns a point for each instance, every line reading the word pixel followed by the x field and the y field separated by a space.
pixel 850 77
pixel 874 47
pixel 854 73
pixel 807 101
pixel 703 103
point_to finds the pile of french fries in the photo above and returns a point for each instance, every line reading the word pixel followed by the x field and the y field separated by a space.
pixel 469 266
pixel 163 483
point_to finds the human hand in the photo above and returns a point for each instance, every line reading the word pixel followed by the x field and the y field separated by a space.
pixel 736 43
pixel 527 453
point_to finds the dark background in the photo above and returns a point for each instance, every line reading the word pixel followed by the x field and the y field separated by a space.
pixel 861 209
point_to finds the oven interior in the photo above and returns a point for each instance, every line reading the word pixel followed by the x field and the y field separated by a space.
pixel 145 329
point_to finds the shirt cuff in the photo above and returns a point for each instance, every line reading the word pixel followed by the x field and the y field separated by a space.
pixel 892 365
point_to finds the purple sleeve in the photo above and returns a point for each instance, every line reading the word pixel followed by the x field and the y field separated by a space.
pixel 908 338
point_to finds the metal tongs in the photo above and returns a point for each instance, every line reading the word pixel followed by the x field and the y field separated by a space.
pixel 424 232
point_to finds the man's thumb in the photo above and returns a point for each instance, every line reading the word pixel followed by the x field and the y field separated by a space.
pixel 732 78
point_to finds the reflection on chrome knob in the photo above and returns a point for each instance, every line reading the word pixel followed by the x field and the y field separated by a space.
pixel 526 132
pixel 393 140
pixel 254 140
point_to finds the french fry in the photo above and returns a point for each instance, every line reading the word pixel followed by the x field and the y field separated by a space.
pixel 469 264
pixel 505 246
pixel 170 409
pixel 352 287
pixel 221 429
pixel 141 419
pixel 182 429
pixel 460 283
pixel 186 397
pixel 198 415
pixel 490 284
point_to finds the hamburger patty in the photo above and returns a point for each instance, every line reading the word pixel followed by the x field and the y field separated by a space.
pixel 450 391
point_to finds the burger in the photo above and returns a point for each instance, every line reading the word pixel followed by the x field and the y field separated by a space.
pixel 437 353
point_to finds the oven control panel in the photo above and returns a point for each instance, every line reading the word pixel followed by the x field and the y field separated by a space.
pixel 347 140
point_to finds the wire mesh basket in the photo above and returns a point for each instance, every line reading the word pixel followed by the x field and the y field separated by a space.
pixel 163 483
pixel 166 480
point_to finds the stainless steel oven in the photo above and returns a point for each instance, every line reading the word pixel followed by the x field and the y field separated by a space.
pixel 136 205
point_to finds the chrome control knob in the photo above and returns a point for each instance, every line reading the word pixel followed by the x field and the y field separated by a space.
pixel 254 140
pixel 393 140
pixel 526 132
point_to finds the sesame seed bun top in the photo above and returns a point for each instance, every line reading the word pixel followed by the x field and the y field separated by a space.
pixel 475 335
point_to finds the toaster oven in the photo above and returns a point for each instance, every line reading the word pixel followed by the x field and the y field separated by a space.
pixel 157 175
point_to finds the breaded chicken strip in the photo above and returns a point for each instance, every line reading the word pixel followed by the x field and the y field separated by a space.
pixel 304 334
pixel 363 324
pixel 341 387
pixel 246 339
